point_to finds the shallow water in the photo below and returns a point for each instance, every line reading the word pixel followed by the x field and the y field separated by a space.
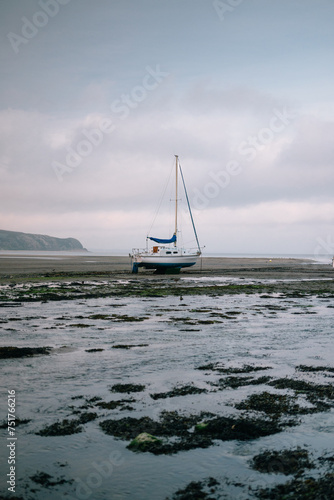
pixel 248 330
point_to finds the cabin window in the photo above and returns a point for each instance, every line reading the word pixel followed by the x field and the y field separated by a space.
pixel 175 252
pixel 168 252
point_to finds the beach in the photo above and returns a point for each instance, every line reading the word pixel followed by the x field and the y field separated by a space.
pixel 26 266
pixel 216 382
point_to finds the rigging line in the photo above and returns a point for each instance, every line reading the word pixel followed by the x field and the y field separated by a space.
pixel 191 215
pixel 161 198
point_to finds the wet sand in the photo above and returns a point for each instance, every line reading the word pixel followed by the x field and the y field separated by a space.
pixel 25 267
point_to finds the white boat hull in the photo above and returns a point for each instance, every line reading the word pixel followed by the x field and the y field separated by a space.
pixel 150 260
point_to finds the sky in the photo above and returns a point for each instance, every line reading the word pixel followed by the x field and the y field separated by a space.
pixel 96 98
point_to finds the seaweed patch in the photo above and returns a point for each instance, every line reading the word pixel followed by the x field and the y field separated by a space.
pixel 45 480
pixel 67 427
pixel 178 391
pixel 301 489
pixel 273 404
pixel 127 388
pixel 218 367
pixel 128 346
pixel 282 462
pixel 201 490
pixel 20 352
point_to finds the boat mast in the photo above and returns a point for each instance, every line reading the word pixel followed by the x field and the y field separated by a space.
pixel 176 189
pixel 190 212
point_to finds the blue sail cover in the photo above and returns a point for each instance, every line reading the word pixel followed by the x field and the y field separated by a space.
pixel 159 240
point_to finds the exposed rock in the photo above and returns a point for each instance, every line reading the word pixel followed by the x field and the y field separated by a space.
pixel 143 442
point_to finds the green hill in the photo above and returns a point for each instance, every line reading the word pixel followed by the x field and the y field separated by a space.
pixel 13 240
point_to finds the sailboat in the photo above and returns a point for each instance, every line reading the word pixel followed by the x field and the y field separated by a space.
pixel 167 254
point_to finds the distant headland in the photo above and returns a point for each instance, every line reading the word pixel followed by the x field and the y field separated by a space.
pixel 13 240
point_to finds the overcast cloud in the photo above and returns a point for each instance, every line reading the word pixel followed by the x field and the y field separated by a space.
pixel 97 97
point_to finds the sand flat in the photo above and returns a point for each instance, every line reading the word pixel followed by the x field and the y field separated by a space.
pixel 27 266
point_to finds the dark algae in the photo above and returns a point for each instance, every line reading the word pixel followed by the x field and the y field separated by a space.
pixel 112 405
pixel 157 288
pixel 67 427
pixel 306 368
pixel 282 462
pixel 146 434
pixel 178 391
pixel 233 382
pixel 194 431
pixel 242 428
pixel 45 480
pixel 320 395
pixel 272 404
pixel 87 417
pixel 63 428
pixel 170 424
pixel 11 497
pixel 127 388
pixel 199 490
pixel 128 346
pixel 218 367
pixel 21 352
pixel 320 488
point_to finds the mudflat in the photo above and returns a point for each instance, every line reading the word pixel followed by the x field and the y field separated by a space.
pixel 25 267
pixel 232 358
